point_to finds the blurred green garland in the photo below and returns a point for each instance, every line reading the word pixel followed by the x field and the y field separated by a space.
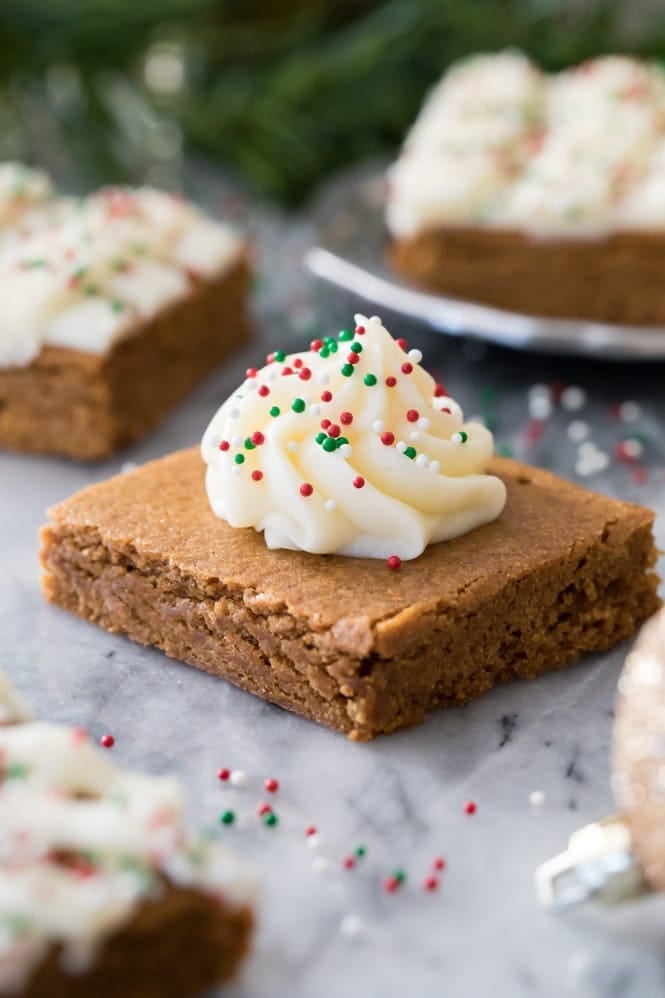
pixel 280 90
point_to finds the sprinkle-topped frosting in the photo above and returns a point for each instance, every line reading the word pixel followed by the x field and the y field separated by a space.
pixel 349 448
pixel 88 271
pixel 499 143
pixel 82 844
pixel 21 189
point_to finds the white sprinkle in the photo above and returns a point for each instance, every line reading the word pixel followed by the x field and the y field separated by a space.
pixel 377 426
pixel 540 407
pixel 271 376
pixel 352 926
pixel 587 447
pixel 457 438
pixel 400 446
pixel 573 398
pixel 131 465
pixel 632 448
pixel 331 505
pixel 346 450
pixel 234 413
pixel 313 841
pixel 237 440
pixel 374 319
pixel 422 460
pixel 415 355
pixel 538 391
pixel 315 410
pixel 320 864
pixel 423 423
pixel 250 384
pixel 537 798
pixel 414 435
pixel 323 377
pixel 236 469
pixel 435 467
pixel 629 412
pixel 238 778
pixel 578 430
pixel 292 446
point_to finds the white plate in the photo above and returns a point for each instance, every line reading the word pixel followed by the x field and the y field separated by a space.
pixel 348 217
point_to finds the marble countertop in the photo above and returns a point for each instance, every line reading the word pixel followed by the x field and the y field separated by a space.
pixel 326 931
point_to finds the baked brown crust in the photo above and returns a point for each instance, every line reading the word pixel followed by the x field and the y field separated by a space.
pixel 616 278
pixel 345 641
pixel 174 947
pixel 86 406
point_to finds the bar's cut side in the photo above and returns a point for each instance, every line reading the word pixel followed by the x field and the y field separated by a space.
pixel 86 406
pixel 174 947
pixel 345 641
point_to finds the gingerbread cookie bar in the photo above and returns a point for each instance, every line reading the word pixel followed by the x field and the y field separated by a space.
pixel 103 891
pixel 113 311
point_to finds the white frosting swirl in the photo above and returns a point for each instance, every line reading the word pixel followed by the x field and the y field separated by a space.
pixel 84 273
pixel 408 471
pixel 499 143
pixel 82 844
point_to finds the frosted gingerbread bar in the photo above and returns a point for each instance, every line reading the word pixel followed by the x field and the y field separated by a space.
pixel 537 193
pixel 103 891
pixel 114 307
pixel 353 551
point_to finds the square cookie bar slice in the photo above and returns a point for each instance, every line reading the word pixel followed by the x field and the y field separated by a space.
pixel 345 641
pixel 114 307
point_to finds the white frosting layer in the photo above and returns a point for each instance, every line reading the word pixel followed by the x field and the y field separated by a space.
pixel 410 473
pixel 499 143
pixel 82 844
pixel 84 273
pixel 13 707
pixel 21 189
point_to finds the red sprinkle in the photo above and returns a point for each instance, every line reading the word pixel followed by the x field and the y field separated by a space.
pixel 107 741
pixel 257 475
pixel 297 362
pixel 326 396
pixel 271 785
pixel 470 807
pixel 346 418
pixel 79 734
pixel 413 415
pixel 324 424
pixel 223 774
pixel 358 482
pixel 287 370
pixel 391 381
pixel 360 330
pixel 305 374
pixel 431 883
pixel 640 476
pixel 263 809
pixel 310 830
pixel 407 367
pixel 352 358
pixel 439 863
pixel 348 862
pixel 224 445
pixel 250 372
pixel 263 391
pixel 534 430
pixel 403 344
pixel 316 345
pixel 334 430
pixel 391 885
pixel 439 390
pixel 388 438
pixel 394 562
pixel 306 489
pixel 257 438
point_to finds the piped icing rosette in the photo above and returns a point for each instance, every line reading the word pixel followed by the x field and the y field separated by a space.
pixel 500 143
pixel 21 189
pixel 92 269
pixel 83 844
pixel 349 448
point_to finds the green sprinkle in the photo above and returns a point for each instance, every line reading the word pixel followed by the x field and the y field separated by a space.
pixel 345 334
pixel 410 452
pixel 18 924
pixel 332 346
pixel 324 352
pixel 341 441
pixel 91 289
pixel 139 248
pixel 347 370
pixel 249 445
pixel 330 444
pixel 360 851
pixel 463 436
pixel 504 450
pixel 488 396
pixel 239 459
pixel 370 379
pixel 298 405
pixel 34 263
pixel 356 347
pixel 227 818
pixel 270 819
pixel 320 437
pixel 274 411
pixel 399 876
pixel 117 306
pixel 16 772
pixel 279 355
